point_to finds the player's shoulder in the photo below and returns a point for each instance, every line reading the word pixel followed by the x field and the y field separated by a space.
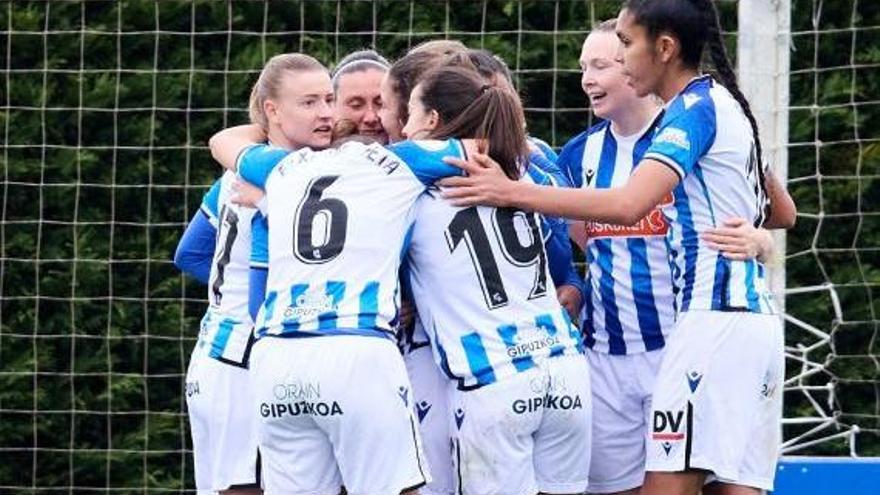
pixel 575 146
pixel 415 151
pixel 697 99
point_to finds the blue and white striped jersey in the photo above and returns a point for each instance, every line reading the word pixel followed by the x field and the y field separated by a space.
pixel 705 138
pixel 338 223
pixel 630 303
pixel 481 281
pixel 226 328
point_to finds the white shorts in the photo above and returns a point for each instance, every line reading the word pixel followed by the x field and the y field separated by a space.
pixel 223 422
pixel 429 393
pixel 525 434
pixel 335 410
pixel 622 387
pixel 718 398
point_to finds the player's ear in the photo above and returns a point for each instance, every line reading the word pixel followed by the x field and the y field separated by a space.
pixel 433 120
pixel 270 109
pixel 666 47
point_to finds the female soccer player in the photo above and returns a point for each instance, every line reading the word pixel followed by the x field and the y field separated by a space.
pixel 717 400
pixel 631 305
pixel 520 390
pixel 356 80
pixel 291 102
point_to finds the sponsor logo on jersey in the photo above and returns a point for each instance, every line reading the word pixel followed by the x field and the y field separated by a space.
pixel 674 136
pixel 300 408
pixel 403 393
pixel 309 306
pixel 667 426
pixel 654 224
pixel 459 418
pixel 297 391
pixel 191 388
pixel 422 409
pixel 547 384
pixel 530 340
pixel 548 401
pixel 694 378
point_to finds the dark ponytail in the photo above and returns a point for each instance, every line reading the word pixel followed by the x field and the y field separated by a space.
pixel 470 108
pixel 724 69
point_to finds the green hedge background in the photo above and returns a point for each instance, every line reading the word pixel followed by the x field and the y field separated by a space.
pixel 107 107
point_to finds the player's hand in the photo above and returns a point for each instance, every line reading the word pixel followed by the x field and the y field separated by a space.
pixel 484 184
pixel 739 240
pixel 247 194
pixel 570 299
pixel 407 314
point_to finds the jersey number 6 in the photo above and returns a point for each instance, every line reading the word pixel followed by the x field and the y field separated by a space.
pixel 331 217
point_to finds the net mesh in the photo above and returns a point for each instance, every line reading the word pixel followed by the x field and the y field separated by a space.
pixel 106 107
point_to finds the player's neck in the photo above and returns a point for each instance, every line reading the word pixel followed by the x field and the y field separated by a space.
pixel 277 138
pixel 636 117
pixel 677 79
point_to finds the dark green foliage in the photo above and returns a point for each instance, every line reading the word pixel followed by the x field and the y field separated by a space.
pixel 107 107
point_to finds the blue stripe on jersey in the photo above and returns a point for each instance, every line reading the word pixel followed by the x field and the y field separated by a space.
pixel 643 294
pixel 545 322
pixel 444 359
pixel 269 305
pixel 478 360
pixel 508 335
pixel 689 242
pixel 573 332
pixel 640 270
pixel 587 325
pixel 616 344
pixel 224 331
pixel 369 302
pixel 751 295
pixel 335 290
pixel 720 294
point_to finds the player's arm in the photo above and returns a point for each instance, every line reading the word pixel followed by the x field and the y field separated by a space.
pixel 782 212
pixel 195 251
pixel 486 184
pixel 680 142
pixel 228 144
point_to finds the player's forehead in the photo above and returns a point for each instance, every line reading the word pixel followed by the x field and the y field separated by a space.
pixel 600 45
pixel 364 83
pixel 298 84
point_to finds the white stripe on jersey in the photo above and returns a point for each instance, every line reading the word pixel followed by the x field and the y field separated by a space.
pixel 226 327
pixel 482 285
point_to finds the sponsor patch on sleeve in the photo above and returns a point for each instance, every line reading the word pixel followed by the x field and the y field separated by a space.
pixel 674 136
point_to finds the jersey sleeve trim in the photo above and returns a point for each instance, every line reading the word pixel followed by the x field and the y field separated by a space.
pixel 669 162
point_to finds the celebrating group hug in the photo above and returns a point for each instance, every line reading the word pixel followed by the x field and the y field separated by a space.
pixel 393 303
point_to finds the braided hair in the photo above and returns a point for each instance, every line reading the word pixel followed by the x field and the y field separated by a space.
pixel 697 26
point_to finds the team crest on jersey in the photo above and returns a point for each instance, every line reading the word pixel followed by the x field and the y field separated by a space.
pixel 654 224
